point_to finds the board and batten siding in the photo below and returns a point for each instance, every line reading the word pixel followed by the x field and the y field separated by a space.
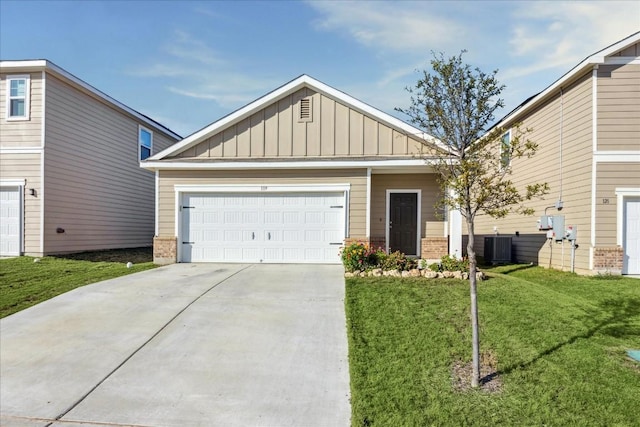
pixel 22 133
pixel 610 176
pixel 335 130
pixel 357 178
pixel 95 190
pixel 26 166
pixel 431 224
pixel 570 179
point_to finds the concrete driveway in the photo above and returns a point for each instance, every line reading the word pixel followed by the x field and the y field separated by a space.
pixel 182 345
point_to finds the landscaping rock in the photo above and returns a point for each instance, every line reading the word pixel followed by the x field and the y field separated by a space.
pixel 376 272
pixel 457 274
pixel 480 276
pixel 430 274
pixel 414 273
pixel 448 274
pixel 404 274
pixel 348 274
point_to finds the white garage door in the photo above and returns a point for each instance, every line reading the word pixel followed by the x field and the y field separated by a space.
pixel 631 235
pixel 9 221
pixel 263 227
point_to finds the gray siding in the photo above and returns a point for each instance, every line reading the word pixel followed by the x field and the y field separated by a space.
pixel 22 133
pixel 334 131
pixel 94 187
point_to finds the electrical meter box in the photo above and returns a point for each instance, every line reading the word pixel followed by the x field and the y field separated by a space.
pixel 545 223
pixel 558 228
pixel 571 232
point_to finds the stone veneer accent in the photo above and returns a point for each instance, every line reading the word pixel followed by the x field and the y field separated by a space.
pixel 165 250
pixel 608 259
pixel 434 247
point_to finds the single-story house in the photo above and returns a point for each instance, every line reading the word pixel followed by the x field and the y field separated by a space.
pixel 293 177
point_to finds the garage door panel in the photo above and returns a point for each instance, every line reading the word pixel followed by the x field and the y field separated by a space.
pixel 274 227
pixel 10 221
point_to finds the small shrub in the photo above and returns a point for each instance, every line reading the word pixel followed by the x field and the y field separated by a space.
pixel 358 257
pixel 398 261
pixel 449 263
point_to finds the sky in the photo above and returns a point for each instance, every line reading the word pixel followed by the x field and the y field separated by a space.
pixel 188 63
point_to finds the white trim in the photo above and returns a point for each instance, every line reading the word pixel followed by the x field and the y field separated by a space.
pixel 246 188
pixel 42 144
pixel 418 217
pixel 157 203
pixel 21 150
pixel 40 65
pixel 621 193
pixel 178 224
pixel 309 164
pixel 13 182
pixel 594 162
pixel 285 90
pixel 616 156
pixel 367 229
pixel 622 60
pixel 27 97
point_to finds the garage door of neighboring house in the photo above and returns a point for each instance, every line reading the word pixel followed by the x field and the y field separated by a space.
pixel 257 227
pixel 631 235
pixel 10 217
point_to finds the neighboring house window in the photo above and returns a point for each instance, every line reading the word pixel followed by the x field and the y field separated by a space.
pixel 145 142
pixel 18 98
pixel 505 150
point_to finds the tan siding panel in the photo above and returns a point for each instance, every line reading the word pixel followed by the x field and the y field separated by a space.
pixel 314 129
pixel 257 134
pixel 285 117
pixel 271 131
pixel 327 126
pixel 356 134
pixel 371 142
pixel 342 130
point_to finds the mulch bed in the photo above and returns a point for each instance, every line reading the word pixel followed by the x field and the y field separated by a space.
pixel 134 255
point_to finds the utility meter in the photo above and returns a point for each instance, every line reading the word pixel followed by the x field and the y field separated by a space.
pixel 571 232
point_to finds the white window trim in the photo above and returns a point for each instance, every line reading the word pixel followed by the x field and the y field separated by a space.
pixel 27 97
pixel 418 218
pixel 181 190
pixel 141 128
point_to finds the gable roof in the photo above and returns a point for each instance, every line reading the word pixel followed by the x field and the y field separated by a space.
pixel 601 57
pixel 33 65
pixel 281 92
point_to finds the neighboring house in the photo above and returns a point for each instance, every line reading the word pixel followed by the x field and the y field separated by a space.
pixel 294 176
pixel 70 179
pixel 587 125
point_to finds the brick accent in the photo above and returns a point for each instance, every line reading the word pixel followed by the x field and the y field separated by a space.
pixel 608 259
pixel 165 250
pixel 350 240
pixel 434 247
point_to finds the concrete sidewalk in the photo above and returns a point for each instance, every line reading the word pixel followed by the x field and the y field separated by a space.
pixel 183 345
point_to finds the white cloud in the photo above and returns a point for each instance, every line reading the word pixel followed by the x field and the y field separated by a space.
pixel 395 26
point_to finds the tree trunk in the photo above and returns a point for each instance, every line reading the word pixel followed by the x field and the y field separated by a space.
pixel 475 336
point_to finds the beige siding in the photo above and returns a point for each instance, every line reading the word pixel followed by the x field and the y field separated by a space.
pixel 356 179
pixel 334 131
pixel 619 107
pixel 431 223
pixel 610 176
pixel 572 178
pixel 26 166
pixel 22 133
pixel 94 187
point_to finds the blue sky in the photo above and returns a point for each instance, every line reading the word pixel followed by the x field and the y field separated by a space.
pixel 188 63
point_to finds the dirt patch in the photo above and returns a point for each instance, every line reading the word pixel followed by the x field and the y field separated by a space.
pixel 134 255
pixel 490 381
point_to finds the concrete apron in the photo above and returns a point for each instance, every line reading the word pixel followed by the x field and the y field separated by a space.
pixel 183 345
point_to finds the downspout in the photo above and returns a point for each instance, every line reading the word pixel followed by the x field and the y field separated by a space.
pixel 561 169
pixel 594 136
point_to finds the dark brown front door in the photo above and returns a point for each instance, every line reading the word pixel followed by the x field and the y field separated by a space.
pixel 403 222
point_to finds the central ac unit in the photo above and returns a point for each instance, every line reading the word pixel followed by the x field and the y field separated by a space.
pixel 497 249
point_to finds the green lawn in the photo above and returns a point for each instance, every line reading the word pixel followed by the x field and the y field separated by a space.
pixel 24 283
pixel 559 341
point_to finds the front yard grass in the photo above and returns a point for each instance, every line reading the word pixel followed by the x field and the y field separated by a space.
pixel 24 283
pixel 559 341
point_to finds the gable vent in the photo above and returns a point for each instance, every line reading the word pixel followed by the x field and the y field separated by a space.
pixel 306 113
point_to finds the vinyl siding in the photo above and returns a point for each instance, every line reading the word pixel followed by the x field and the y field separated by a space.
pixel 571 179
pixel 610 176
pixel 335 130
pixel 22 133
pixel 619 107
pixel 431 225
pixel 356 178
pixel 95 189
pixel 26 166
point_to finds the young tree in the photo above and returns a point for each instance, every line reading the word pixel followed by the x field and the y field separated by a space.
pixel 456 105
